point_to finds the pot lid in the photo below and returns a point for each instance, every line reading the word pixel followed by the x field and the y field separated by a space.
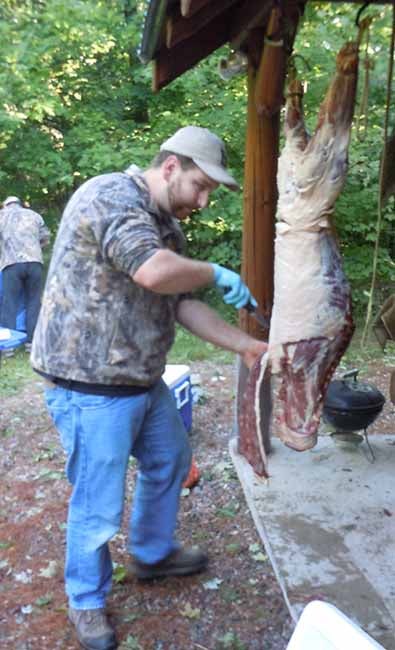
pixel 350 394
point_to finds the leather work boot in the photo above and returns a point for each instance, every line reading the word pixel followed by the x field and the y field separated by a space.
pixel 93 629
pixel 181 562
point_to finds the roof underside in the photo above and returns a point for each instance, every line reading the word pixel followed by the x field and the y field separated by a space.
pixel 180 33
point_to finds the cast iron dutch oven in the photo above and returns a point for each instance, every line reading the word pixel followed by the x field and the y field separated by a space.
pixel 351 405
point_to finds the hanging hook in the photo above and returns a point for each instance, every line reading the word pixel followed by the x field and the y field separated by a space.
pixel 359 13
pixel 299 56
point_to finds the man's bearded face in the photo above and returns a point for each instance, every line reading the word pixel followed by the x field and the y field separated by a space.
pixel 189 190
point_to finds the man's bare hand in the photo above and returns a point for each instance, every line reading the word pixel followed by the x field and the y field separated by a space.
pixel 253 352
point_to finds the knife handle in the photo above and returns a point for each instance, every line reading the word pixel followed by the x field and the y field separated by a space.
pixel 249 307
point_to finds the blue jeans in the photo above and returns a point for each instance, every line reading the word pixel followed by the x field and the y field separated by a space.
pixel 99 434
pixel 23 279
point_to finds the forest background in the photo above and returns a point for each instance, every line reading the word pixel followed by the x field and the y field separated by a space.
pixel 75 101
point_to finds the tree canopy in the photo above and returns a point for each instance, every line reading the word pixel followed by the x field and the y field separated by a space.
pixel 75 101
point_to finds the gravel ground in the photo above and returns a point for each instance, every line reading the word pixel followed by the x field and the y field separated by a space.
pixel 235 605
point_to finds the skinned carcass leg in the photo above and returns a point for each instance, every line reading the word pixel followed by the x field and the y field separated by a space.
pixel 311 323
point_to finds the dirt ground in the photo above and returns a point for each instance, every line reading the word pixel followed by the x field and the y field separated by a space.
pixel 235 605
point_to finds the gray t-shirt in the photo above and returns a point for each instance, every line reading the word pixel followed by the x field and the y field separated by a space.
pixel 96 325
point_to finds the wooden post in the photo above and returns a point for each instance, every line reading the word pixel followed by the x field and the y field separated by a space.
pixel 267 62
pixel 260 199
pixel 260 186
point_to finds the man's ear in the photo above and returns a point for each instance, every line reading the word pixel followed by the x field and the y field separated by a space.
pixel 169 166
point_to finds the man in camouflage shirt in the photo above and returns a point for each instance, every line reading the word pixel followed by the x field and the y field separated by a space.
pixel 117 284
pixel 22 235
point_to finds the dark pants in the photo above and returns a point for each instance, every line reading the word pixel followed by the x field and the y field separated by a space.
pixel 21 279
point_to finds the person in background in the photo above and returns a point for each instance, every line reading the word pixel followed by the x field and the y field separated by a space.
pixel 23 234
pixel 117 284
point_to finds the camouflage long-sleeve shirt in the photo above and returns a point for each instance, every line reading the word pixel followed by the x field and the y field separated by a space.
pixel 96 325
pixel 22 233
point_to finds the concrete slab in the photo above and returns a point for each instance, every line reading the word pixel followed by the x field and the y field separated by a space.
pixel 327 520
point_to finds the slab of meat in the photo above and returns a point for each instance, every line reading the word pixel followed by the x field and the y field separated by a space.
pixel 250 442
pixel 311 323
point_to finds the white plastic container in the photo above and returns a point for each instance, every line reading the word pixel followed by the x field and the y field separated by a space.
pixel 178 379
pixel 324 627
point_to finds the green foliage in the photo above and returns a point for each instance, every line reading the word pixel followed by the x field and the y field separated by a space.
pixel 70 102
pixel 75 101
pixel 215 234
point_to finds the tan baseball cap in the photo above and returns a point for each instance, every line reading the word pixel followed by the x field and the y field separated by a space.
pixel 206 150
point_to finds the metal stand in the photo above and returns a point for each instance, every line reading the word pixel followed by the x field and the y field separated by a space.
pixel 372 456
pixel 355 438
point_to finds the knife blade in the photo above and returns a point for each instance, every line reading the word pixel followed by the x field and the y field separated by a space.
pixel 259 317
pixel 254 311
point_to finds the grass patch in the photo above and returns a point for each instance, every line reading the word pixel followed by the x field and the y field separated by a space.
pixel 15 372
pixel 189 348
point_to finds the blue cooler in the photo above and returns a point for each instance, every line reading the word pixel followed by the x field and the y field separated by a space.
pixel 178 379
pixel 10 339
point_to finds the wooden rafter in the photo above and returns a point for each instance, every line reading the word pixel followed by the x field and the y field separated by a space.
pixel 238 18
pixel 248 15
pixel 171 63
pixel 180 29
pixel 190 7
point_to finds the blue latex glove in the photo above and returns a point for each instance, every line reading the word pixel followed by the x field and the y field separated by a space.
pixel 235 291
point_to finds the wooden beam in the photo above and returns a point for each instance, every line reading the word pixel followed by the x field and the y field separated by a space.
pixel 180 29
pixel 190 7
pixel 247 15
pixel 170 64
pixel 260 201
pixel 279 39
pixel 260 183
pixel 243 15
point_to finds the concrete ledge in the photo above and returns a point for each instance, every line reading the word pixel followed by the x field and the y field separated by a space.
pixel 327 520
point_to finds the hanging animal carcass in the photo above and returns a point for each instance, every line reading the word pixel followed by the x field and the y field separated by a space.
pixel 311 322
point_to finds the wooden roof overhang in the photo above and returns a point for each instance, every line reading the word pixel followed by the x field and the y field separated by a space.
pixel 178 34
